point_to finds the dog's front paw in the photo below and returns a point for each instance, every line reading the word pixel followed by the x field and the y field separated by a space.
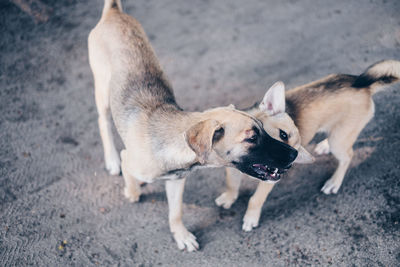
pixel 331 187
pixel 185 239
pixel 322 147
pixel 113 164
pixel 226 200
pixel 132 193
pixel 250 220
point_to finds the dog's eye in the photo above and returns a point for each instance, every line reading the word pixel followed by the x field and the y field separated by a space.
pixel 283 135
pixel 218 134
pixel 252 139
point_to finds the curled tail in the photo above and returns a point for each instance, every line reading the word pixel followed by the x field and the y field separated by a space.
pixel 376 76
pixel 108 4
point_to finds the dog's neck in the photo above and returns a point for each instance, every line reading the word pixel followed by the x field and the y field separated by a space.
pixel 169 142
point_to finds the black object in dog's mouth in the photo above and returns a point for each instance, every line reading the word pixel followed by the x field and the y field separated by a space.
pixel 266 173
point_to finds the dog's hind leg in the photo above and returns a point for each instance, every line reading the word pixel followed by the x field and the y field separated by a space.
pixel 132 186
pixel 233 179
pixel 182 236
pixel 102 75
pixel 253 212
pixel 344 156
pixel 111 157
pixel 341 140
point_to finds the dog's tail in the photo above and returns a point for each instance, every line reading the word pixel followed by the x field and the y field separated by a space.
pixel 378 75
pixel 109 4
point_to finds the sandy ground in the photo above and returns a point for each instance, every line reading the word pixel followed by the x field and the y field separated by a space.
pixel 53 186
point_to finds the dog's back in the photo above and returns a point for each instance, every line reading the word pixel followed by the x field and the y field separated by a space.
pixel 119 45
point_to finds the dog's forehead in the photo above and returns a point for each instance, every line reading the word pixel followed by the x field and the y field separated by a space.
pixel 285 121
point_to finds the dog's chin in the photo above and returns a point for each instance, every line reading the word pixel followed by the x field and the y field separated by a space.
pixel 266 173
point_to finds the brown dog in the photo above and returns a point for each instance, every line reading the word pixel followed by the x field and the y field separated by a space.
pixel 339 105
pixel 161 140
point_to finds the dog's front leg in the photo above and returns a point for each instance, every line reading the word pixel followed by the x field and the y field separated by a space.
pixel 233 179
pixel 182 236
pixel 253 212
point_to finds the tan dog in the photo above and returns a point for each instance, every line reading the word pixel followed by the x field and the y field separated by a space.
pixel 161 140
pixel 339 105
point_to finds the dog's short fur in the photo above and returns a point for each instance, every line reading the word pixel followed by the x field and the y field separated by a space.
pixel 339 105
pixel 161 140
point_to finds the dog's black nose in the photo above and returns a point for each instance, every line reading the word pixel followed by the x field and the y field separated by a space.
pixel 292 155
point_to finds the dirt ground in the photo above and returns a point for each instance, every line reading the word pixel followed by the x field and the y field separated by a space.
pixel 58 207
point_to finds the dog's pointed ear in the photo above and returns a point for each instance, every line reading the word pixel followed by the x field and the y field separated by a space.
pixel 274 99
pixel 304 156
pixel 201 136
